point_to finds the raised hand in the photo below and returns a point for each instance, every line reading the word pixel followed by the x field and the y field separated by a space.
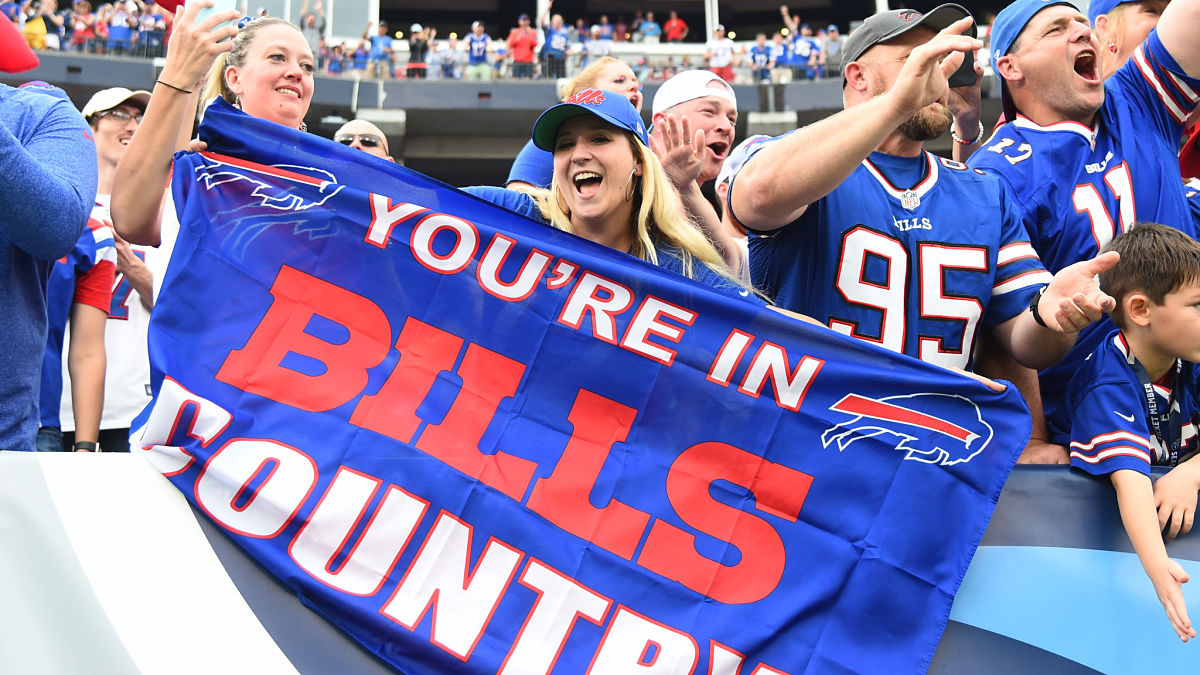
pixel 923 79
pixel 681 152
pixel 194 47
pixel 1073 300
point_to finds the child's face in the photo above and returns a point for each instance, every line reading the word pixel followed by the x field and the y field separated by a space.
pixel 1175 324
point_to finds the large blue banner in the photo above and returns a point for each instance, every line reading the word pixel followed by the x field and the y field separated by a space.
pixel 478 444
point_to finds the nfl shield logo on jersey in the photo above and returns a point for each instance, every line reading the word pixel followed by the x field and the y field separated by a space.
pixel 910 200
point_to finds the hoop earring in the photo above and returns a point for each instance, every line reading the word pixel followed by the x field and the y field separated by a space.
pixel 632 186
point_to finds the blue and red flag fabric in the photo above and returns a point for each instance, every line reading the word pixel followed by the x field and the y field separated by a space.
pixel 478 444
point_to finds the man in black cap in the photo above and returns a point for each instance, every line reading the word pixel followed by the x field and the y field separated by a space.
pixel 853 223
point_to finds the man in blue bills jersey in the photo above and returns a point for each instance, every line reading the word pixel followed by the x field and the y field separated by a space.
pixel 854 224
pixel 1087 157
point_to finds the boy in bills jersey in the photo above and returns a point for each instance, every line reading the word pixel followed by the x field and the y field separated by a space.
pixel 854 224
pixel 1133 403
pixel 1087 157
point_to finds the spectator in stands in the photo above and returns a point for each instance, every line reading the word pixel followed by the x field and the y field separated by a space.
pixel 554 51
pixel 48 174
pixel 649 30
pixel 522 42
pixel 607 30
pixel 675 29
pixel 833 51
pixel 609 188
pixel 364 136
pixel 635 26
pixel 781 73
pixel 595 48
pixel 83 36
pixel 694 116
pixel 379 61
pixel 42 22
pixel 579 31
pixel 312 26
pixel 152 30
pixel 418 49
pixel 760 59
pixel 806 54
pixel 533 167
pixel 479 45
pixel 267 72
pixel 1132 404
pixel 453 59
pixel 1101 152
pixel 337 62
pixel 122 29
pixel 721 54
pixel 360 58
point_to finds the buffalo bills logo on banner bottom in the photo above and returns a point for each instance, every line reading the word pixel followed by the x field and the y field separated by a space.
pixel 924 437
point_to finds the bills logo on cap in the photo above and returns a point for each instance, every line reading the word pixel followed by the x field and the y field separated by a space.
pixel 588 97
pixel 909 15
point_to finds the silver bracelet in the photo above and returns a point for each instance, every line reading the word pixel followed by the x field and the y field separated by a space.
pixel 958 139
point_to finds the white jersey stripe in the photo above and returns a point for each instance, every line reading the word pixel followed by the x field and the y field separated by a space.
pixel 1190 94
pixel 1030 278
pixel 1108 438
pixel 1122 450
pixel 1018 251
pixel 1139 57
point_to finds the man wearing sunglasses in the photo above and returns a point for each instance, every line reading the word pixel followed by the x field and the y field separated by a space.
pixel 365 136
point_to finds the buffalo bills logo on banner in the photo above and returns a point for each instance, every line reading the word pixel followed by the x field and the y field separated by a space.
pixel 925 437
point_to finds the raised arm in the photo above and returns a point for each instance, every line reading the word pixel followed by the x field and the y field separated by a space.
pixel 802 167
pixel 145 169
pixel 1179 30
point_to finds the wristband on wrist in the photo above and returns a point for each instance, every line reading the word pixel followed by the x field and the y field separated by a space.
pixel 84 445
pixel 1033 307
pixel 189 91
pixel 958 139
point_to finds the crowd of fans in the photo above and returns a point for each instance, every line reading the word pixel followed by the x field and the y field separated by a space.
pixel 548 48
pixel 928 256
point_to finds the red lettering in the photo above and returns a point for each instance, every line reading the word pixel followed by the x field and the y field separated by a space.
pixel 298 297
pixel 564 497
pixel 425 352
pixel 487 377
pixel 777 489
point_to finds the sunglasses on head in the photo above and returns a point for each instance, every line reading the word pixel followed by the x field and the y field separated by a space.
pixel 366 140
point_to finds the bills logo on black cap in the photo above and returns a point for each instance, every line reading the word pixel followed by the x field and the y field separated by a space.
pixel 588 97
pixel 909 15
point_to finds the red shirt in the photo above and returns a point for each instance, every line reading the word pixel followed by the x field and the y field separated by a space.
pixel 674 29
pixel 522 43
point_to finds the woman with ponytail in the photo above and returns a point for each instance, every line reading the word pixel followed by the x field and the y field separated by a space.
pixel 266 69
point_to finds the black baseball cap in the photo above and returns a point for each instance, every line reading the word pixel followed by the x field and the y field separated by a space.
pixel 893 23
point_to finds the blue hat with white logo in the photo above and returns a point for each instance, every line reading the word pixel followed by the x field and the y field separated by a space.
pixel 608 106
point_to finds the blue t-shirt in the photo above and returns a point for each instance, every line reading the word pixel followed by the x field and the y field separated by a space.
pixel 522 204
pixel 760 57
pixel 532 165
pixel 802 49
pixel 379 43
pixel 650 29
pixel 919 271
pixel 1080 187
pixel 1106 418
